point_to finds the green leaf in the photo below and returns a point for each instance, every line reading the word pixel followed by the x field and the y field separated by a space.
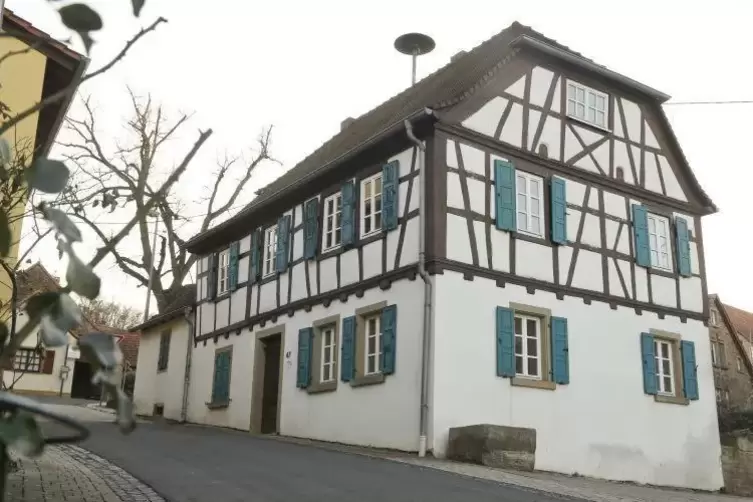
pixel 22 433
pixel 100 349
pixel 81 278
pixel 49 176
pixel 40 304
pixel 5 156
pixel 137 6
pixel 5 234
pixel 80 18
pixel 62 223
pixel 58 321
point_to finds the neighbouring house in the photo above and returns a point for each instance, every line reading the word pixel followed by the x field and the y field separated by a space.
pixel 45 371
pixel 36 67
pixel 166 342
pixel 514 240
pixel 733 370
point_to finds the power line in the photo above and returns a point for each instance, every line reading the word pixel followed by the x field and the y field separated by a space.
pixel 732 102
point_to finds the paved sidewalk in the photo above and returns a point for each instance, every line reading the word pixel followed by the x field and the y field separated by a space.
pixel 66 473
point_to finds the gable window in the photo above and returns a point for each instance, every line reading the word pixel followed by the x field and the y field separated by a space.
pixel 586 104
pixel 270 250
pixel 529 204
pixel 328 342
pixel 223 263
pixel 528 347
pixel 27 360
pixel 164 350
pixel 664 364
pixel 712 318
pixel 332 222
pixel 371 205
pixel 658 240
pixel 739 363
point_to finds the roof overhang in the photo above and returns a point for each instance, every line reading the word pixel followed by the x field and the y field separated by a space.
pixel 161 319
pixel 589 66
pixel 207 241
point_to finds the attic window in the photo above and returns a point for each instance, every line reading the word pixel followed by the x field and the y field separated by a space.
pixel 544 150
pixel 587 105
pixel 619 173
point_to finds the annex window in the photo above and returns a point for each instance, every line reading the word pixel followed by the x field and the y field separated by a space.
pixel 371 205
pixel 664 367
pixel 586 104
pixel 373 351
pixel 739 363
pixel 659 243
pixel 529 205
pixel 328 354
pixel 332 236
pixel 270 251
pixel 528 347
pixel 718 354
pixel 712 319
pixel 27 360
pixel 164 350
pixel 223 269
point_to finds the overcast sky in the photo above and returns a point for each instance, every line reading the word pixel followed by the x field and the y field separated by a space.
pixel 305 66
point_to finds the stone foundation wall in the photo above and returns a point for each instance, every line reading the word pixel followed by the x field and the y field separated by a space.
pixel 494 446
pixel 737 463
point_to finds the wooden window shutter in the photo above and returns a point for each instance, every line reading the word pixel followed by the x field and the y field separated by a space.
pixel 683 247
pixel 390 195
pixel 559 211
pixel 305 341
pixel 640 235
pixel 689 370
pixel 310 228
pixel 504 190
pixel 348 350
pixel 649 363
pixel 283 243
pixel 254 271
pixel 48 362
pixel 221 383
pixel 505 342
pixel 388 340
pixel 560 351
pixel 232 269
pixel 348 213
pixel 212 277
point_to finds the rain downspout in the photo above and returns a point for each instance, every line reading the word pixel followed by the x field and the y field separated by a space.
pixel 427 326
pixel 188 314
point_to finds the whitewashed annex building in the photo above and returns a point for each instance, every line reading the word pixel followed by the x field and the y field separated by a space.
pixel 514 240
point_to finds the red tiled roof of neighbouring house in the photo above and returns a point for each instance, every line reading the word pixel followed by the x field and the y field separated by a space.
pixel 129 346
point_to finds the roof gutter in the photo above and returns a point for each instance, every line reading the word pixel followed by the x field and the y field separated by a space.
pixel 590 66
pixel 394 128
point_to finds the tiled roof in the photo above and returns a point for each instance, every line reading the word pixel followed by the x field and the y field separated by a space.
pixel 742 320
pixel 129 346
pixel 38 35
pixel 184 297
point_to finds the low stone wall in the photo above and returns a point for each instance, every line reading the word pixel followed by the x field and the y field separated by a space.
pixel 737 463
pixel 493 446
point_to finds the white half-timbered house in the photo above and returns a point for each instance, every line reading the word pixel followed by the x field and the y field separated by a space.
pixel 514 240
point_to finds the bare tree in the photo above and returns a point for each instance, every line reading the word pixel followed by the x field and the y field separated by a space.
pixel 110 314
pixel 122 179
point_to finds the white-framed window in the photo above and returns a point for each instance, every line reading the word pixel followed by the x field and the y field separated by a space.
pixel 659 243
pixel 270 250
pixel 28 360
pixel 528 346
pixel 586 104
pixel 223 268
pixel 371 205
pixel 529 205
pixel 664 366
pixel 332 236
pixel 712 319
pixel 329 342
pixel 373 352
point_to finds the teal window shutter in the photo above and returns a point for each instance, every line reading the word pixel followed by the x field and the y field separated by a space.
pixel 348 212
pixel 348 356
pixel 689 370
pixel 504 189
pixel 305 341
pixel 232 268
pixel 505 342
pixel 560 351
pixel 683 247
pixel 390 194
pixel 221 383
pixel 213 263
pixel 388 339
pixel 648 357
pixel 254 269
pixel 559 211
pixel 310 228
pixel 283 243
pixel 640 235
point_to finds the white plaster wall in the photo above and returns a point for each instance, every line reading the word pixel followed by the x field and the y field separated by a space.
pixel 161 387
pixel 601 424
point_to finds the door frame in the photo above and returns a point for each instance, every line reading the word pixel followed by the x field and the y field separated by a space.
pixel 257 386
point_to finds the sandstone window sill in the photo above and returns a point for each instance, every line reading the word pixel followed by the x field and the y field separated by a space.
pixel 672 400
pixel 362 381
pixel 319 388
pixel 218 405
pixel 533 384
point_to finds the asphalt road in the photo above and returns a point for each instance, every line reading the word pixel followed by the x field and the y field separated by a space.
pixel 197 464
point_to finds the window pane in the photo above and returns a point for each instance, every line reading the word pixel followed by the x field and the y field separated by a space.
pixel 518 345
pixel 570 107
pixel 532 347
pixel 581 110
pixel 519 365
pixel 665 350
pixel 521 202
pixel 581 95
pixel 378 221
pixel 372 345
pixel 535 225
pixel 570 91
pixel 367 190
pixel 535 203
pixel 533 364
pixel 665 367
pixel 591 99
pixel 534 187
pixel 522 221
pixel 378 185
pixel 371 364
pixel 372 326
pixel 377 203
pixel 601 103
pixel 667 384
pixel 591 114
pixel 518 326
pixel 531 326
pixel 521 183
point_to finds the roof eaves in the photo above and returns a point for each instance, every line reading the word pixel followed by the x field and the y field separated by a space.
pixel 160 319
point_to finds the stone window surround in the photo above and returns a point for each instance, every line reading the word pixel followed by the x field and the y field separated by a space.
pixel 360 339
pixel 674 340
pixel 317 386
pixel 545 346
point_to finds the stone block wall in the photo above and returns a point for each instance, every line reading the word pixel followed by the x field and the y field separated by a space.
pixel 737 463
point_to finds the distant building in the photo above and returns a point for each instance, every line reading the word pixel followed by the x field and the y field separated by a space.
pixel 731 331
